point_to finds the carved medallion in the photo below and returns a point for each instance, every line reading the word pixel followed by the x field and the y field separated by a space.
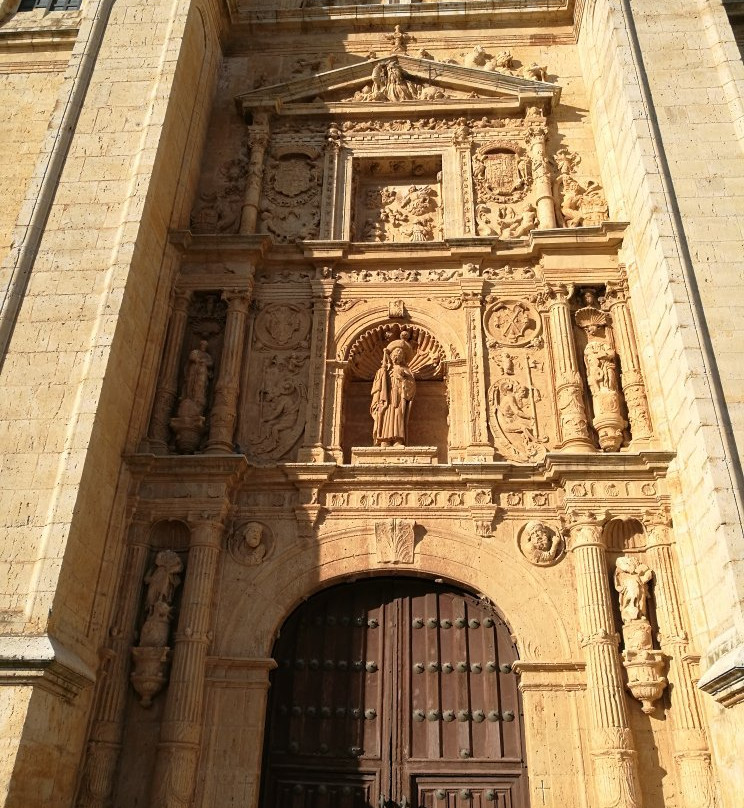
pixel 540 544
pixel 283 325
pixel 511 322
pixel 292 176
pixel 250 543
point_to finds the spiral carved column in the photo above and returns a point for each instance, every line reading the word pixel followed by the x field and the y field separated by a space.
pixel 104 746
pixel 613 755
pixel 691 755
pixel 167 390
pixel 180 733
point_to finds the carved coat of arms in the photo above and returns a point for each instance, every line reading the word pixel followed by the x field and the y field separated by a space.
pixel 292 176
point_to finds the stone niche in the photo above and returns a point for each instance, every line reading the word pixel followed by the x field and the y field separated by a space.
pixel 428 422
pixel 398 199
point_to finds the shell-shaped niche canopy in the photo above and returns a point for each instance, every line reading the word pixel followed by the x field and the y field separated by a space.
pixel 365 354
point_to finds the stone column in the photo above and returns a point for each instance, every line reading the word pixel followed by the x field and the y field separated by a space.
pixel 104 745
pixel 223 413
pixel 691 752
pixel 167 390
pixel 180 732
pixel 331 209
pixel 573 422
pixel 312 449
pixel 541 179
pixel 339 370
pixel 611 744
pixel 258 138
pixel 631 379
pixel 479 448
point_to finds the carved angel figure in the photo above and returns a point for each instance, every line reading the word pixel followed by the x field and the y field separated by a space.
pixel 631 582
pixel 393 390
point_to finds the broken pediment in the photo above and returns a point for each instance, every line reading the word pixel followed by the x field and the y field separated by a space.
pixel 405 80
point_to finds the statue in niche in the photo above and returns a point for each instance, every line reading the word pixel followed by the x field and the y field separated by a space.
pixel 631 582
pixel 197 376
pixel 393 390
pixel 162 580
pixel 152 656
pixel 602 374
pixel 188 424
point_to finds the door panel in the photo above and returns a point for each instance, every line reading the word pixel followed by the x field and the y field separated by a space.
pixel 394 687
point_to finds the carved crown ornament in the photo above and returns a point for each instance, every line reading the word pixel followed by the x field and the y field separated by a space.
pixel 390 82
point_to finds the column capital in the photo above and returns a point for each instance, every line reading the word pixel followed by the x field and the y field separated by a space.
pixel 585 527
pixel 616 294
pixel 238 299
pixel 323 288
pixel 658 525
pixel 206 527
pixel 551 295
pixel 182 299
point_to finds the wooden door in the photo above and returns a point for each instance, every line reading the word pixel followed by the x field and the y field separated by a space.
pixel 394 692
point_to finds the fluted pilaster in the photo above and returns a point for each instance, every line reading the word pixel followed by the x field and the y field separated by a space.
pixel 104 745
pixel 180 733
pixel 613 756
pixel 691 752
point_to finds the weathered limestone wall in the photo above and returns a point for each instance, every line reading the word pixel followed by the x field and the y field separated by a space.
pixel 77 349
pixel 694 80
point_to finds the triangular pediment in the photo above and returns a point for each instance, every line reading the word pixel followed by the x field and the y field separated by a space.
pixel 390 81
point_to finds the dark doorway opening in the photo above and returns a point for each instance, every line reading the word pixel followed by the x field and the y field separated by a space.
pixel 394 692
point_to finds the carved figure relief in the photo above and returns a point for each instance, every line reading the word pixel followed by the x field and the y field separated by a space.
pixel 580 202
pixel 218 208
pixel 602 375
pixel 152 656
pixel 395 541
pixel 393 391
pixel 290 203
pixel 512 411
pixel 540 544
pixel 399 200
pixel 250 543
pixel 390 83
pixel 643 664
pixel 282 401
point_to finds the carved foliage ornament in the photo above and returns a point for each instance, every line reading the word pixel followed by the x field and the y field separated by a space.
pixel 395 541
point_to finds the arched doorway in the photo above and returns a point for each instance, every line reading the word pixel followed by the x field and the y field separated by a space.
pixel 394 692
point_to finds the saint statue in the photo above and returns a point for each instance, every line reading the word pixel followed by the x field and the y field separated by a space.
pixel 162 580
pixel 631 582
pixel 393 390
pixel 197 376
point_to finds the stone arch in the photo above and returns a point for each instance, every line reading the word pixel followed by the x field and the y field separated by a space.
pixel 490 569
pixel 428 425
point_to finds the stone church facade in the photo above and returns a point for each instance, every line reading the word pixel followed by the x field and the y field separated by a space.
pixel 371 404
